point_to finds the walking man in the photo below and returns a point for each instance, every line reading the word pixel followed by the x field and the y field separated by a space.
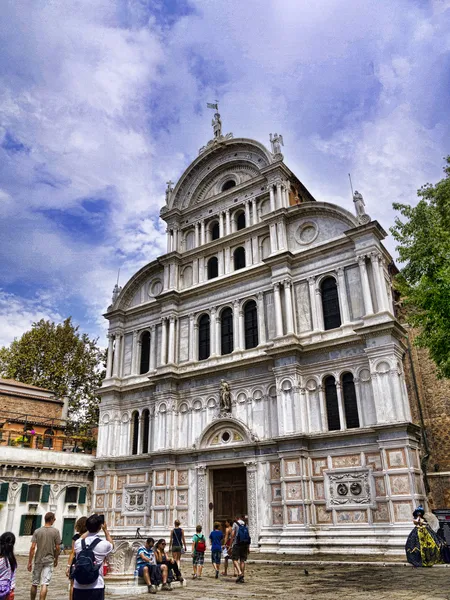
pixel 45 547
pixel 240 547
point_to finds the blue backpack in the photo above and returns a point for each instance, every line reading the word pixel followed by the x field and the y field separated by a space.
pixel 243 536
pixel 86 570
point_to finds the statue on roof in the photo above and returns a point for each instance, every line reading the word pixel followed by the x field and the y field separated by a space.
pixel 217 126
pixel 169 190
pixel 276 141
pixel 360 208
pixel 116 291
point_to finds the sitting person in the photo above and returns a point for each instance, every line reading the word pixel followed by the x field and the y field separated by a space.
pixel 163 560
pixel 148 569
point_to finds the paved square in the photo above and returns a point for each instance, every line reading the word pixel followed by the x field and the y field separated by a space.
pixel 270 581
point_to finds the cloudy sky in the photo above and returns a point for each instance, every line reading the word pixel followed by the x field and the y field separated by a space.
pixel 102 101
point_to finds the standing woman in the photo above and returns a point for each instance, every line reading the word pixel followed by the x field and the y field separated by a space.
pixel 177 542
pixel 423 547
pixel 80 528
pixel 8 566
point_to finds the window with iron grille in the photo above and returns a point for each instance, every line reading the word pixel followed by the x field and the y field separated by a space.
pixel 145 353
pixel 29 524
pixel 135 437
pixel 204 341
pixel 350 404
pixel 145 430
pixel 331 400
pixel 226 330
pixel 330 304
pixel 213 267
pixel 239 258
pixel 215 231
pixel 251 324
pixel 240 221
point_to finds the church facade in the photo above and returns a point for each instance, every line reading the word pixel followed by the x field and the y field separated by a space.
pixel 256 368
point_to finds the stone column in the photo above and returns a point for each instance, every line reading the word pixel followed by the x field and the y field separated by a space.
pixel 212 329
pixel 312 301
pixel 236 330
pixel 227 260
pixel 247 213
pixel 134 353
pixel 153 348
pixel 255 250
pixel 10 517
pixel 288 307
pixel 195 344
pixel 164 341
pixel 272 197
pixel 278 312
pixel 202 233
pixel 377 259
pixel 365 285
pixel 201 269
pixel 319 309
pixel 218 338
pixel 117 350
pixel 201 495
pixel 221 228
pixel 228 222
pixel 361 416
pixel 195 271
pixel 273 238
pixel 252 504
pixel 139 446
pixel 341 406
pixel 342 291
pixel 166 276
pixel 248 252
pixel 196 235
pixel 191 337
pixel 175 240
pixel 109 363
pixel 281 228
pixel 171 347
pixel 169 240
pixel 279 200
pixel 241 329
pixel 261 319
pixel 220 262
pixel 254 212
pixel 286 188
pixel 323 410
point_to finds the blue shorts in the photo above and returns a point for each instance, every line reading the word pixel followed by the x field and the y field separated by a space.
pixel 216 555
pixel 141 570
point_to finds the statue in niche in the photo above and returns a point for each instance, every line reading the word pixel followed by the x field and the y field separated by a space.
pixel 276 142
pixel 225 397
pixel 360 208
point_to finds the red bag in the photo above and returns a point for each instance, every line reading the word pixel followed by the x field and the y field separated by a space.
pixel 200 546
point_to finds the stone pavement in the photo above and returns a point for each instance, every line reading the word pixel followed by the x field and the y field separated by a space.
pixel 263 582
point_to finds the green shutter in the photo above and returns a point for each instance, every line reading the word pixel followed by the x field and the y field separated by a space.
pixel 22 524
pixel 45 495
pixel 24 492
pixel 37 522
pixel 4 491
pixel 82 496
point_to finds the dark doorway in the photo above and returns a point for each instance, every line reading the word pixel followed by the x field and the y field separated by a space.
pixel 230 493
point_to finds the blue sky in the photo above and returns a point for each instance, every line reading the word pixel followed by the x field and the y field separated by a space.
pixel 103 101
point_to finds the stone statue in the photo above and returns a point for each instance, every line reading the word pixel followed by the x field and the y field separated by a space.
pixel 276 142
pixel 116 291
pixel 217 125
pixel 169 190
pixel 225 397
pixel 360 208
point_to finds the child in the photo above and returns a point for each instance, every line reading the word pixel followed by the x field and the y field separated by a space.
pixel 198 552
pixel 216 538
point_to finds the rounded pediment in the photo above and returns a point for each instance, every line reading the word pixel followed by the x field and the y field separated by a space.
pixel 225 432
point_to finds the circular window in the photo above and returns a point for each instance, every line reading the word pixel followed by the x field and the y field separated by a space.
pixel 156 288
pixel 228 185
pixel 226 436
pixel 306 233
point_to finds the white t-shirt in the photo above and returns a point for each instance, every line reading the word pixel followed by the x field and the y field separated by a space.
pixel 101 551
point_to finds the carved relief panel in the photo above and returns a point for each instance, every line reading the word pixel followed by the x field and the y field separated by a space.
pixel 349 488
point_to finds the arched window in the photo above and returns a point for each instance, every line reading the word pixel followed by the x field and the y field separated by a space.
pixel 145 353
pixel 213 267
pixel 134 432
pixel 204 342
pixel 215 231
pixel 239 258
pixel 331 400
pixel 48 438
pixel 145 430
pixel 251 324
pixel 226 331
pixel 240 221
pixel 350 404
pixel 330 304
pixel 228 185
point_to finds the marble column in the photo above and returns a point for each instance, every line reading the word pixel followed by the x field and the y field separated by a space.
pixel 169 240
pixel 117 351
pixel 252 503
pixel 196 235
pixel 273 238
pixel 221 225
pixel 247 213
pixel 195 340
pixel 201 269
pixel 227 260
pixel 312 301
pixel 261 319
pixel 135 353
pixel 278 311
pixel 227 222
pixel 171 347
pixel 236 330
pixel 361 416
pixel 201 495
pixel 166 276
pixel 342 291
pixel 254 212
pixel 272 197
pixel 341 408
pixel 377 261
pixel 175 240
pixel 241 329
pixel 278 200
pixel 152 347
pixel 140 436
pixel 164 341
pixel 281 228
pixel 365 285
pixel 323 409
pixel 202 233
pixel 195 271
pixel 248 252
pixel 255 250
pixel 212 329
pixel 288 307
pixel 109 363
pixel 191 337
pixel 220 262
pixel 217 334
pixel 319 309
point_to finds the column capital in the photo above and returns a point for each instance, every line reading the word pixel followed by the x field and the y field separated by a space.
pixel 340 271
pixel 276 285
pixel 260 296
pixel 287 283
pixel 311 280
pixel 361 259
pixel 191 316
pixel 172 318
pixel 376 255
pixel 236 304
pixel 152 327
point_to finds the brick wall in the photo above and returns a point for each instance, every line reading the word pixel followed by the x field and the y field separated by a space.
pixel 434 396
pixel 30 406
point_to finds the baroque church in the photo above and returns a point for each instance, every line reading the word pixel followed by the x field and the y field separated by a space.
pixel 256 368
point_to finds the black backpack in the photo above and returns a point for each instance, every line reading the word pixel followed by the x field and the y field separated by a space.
pixel 86 571
pixel 243 536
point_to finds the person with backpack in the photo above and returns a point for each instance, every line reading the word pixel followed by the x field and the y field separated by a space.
pixel 240 547
pixel 45 548
pixel 80 528
pixel 91 550
pixel 198 552
pixel 8 566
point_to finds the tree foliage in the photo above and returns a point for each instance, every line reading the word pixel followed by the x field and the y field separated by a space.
pixel 60 358
pixel 423 237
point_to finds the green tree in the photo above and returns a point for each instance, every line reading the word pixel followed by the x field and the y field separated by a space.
pixel 423 237
pixel 60 358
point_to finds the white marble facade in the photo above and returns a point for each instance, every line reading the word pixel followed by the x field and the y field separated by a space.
pixel 287 299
